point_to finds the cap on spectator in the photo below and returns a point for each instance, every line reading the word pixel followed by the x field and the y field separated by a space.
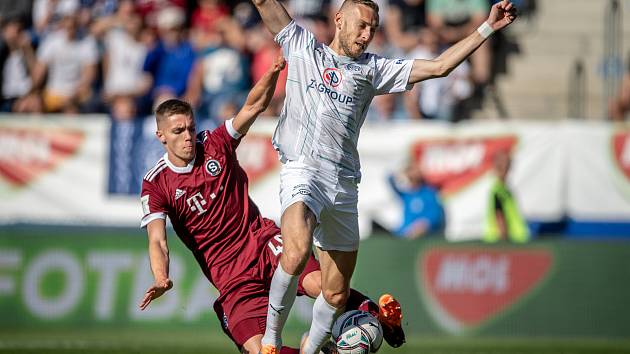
pixel 170 17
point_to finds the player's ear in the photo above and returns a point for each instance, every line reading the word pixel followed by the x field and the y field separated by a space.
pixel 338 17
pixel 160 136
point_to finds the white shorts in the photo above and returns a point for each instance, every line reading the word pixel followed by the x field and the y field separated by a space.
pixel 333 200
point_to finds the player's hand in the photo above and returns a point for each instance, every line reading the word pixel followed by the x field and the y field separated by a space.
pixel 156 290
pixel 501 15
pixel 278 64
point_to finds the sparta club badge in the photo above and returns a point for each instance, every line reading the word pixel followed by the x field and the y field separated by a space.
pixel 213 167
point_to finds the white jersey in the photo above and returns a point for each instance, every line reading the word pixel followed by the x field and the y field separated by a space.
pixel 328 96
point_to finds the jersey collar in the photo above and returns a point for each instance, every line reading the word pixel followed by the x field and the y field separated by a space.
pixel 186 169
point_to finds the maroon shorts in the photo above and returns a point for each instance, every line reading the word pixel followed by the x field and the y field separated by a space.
pixel 243 310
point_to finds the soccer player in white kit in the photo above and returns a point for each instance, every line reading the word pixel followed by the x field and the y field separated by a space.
pixel 329 89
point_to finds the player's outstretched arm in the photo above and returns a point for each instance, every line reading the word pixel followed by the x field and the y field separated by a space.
pixel 258 98
pixel 273 14
pixel 501 15
pixel 158 256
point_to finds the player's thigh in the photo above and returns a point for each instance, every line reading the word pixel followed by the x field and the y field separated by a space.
pixel 297 224
pixel 337 268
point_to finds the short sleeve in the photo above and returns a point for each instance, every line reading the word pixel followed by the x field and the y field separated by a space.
pixel 224 135
pixel 391 75
pixel 154 204
pixel 293 38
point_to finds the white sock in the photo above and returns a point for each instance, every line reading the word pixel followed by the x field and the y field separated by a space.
pixel 281 297
pixel 324 315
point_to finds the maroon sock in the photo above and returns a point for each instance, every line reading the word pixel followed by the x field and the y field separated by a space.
pixel 287 350
pixel 358 301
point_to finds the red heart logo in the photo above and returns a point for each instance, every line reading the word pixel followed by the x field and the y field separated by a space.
pixel 27 153
pixel 452 164
pixel 257 156
pixel 621 151
pixel 465 287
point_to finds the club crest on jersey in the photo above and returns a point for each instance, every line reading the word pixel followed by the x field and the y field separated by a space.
pixel 332 77
pixel 213 167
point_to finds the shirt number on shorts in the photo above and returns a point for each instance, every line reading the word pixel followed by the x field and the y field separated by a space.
pixel 276 249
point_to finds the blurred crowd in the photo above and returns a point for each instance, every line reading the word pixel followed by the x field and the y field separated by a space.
pixel 123 57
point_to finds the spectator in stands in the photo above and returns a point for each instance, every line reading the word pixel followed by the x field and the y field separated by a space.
pixel 17 61
pixel 170 62
pixel 220 77
pixel 123 59
pixel 404 20
pixel 422 208
pixel 11 9
pixel 503 217
pixel 150 10
pixel 69 63
pixel 264 51
pixel 205 22
pixel 438 98
pixel 453 20
pixel 309 8
pixel 48 13
pixel 619 106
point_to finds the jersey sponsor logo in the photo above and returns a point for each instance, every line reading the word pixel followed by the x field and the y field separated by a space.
pixel 179 193
pixel 334 95
pixel 196 203
pixel 29 153
pixel 466 287
pixel 213 167
pixel 399 61
pixel 453 164
pixel 332 77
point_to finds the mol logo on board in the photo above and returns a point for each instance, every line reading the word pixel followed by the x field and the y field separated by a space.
pixel 28 153
pixel 257 156
pixel 621 151
pixel 466 287
pixel 452 164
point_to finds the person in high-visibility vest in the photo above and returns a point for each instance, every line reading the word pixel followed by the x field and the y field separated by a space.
pixel 503 218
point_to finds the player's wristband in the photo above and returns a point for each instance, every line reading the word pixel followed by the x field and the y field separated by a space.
pixel 485 30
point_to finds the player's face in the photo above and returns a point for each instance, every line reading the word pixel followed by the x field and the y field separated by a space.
pixel 358 25
pixel 178 134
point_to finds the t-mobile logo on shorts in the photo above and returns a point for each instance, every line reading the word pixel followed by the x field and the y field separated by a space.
pixel 302 189
pixel 196 203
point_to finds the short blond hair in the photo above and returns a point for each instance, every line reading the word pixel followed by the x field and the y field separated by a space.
pixel 369 3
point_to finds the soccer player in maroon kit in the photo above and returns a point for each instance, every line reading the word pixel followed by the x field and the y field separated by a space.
pixel 201 187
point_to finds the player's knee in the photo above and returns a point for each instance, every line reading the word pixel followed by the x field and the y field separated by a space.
pixel 294 262
pixel 336 299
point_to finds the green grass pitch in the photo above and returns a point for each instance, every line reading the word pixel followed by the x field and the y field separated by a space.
pixel 194 341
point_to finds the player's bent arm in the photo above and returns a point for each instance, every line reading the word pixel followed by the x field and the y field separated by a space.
pixel 501 15
pixel 258 98
pixel 273 14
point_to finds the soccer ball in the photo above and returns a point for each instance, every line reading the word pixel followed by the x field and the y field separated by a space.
pixel 357 332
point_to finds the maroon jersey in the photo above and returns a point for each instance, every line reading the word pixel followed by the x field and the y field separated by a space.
pixel 210 209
